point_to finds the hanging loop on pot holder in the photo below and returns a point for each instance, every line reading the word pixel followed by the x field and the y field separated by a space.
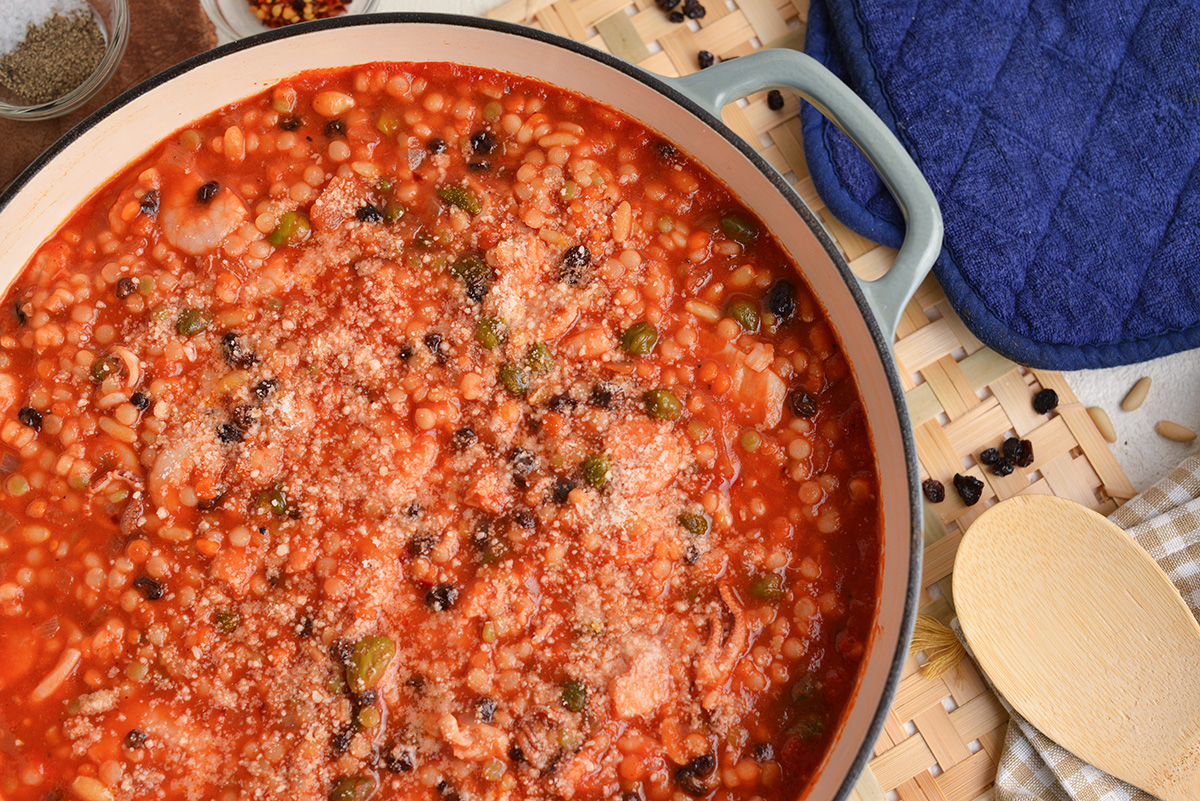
pixel 794 71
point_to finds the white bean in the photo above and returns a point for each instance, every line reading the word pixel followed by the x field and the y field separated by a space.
pixel 332 104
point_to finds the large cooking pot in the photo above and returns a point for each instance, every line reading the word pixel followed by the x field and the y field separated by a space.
pixel 686 111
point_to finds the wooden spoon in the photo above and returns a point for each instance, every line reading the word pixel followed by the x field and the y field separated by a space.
pixel 1085 636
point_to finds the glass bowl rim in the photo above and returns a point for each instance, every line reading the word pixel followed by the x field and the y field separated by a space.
pixel 114 51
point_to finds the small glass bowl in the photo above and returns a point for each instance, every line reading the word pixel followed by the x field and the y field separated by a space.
pixel 113 16
pixel 235 19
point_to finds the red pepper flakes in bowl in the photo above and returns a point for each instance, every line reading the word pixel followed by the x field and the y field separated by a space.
pixel 275 15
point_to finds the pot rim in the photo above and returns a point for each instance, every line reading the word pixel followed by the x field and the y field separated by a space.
pixel 882 345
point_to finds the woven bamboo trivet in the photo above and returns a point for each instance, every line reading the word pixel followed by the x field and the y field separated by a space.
pixel 942 737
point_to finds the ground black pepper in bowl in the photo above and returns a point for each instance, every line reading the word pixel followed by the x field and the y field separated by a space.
pixel 55 56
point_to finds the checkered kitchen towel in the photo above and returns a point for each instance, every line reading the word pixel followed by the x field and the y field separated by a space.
pixel 1165 520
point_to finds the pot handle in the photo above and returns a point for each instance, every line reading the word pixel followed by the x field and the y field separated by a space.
pixel 788 69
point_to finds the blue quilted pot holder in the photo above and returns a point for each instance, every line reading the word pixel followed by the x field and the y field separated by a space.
pixel 1062 139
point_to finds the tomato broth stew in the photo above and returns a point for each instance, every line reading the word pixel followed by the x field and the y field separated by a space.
pixel 420 431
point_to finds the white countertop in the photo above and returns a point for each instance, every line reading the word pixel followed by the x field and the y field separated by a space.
pixel 1174 391
pixel 1145 455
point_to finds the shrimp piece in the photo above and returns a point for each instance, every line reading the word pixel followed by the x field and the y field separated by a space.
pixel 338 203
pixel 518 263
pixel 553 313
pixel 473 742
pixel 755 390
pixel 488 488
pixel 235 568
pixel 56 677
pixel 518 260
pixel 721 652
pixel 133 367
pixel 198 228
pixel 51 263
pixel 536 736
pixel 504 601
pixel 364 602
pixel 646 456
pixel 585 772
pixel 590 343
pixel 646 685
pixel 188 461
pixel 412 464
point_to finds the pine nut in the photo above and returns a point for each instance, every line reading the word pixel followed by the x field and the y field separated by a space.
pixel 1103 423
pixel 1137 395
pixel 1174 431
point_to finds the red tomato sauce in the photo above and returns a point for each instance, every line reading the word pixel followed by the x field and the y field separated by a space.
pixel 415 431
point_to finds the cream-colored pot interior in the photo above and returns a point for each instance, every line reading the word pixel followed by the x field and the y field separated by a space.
pixel 82 166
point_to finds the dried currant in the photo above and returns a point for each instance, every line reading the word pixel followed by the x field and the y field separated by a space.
pixel 781 300
pixel 934 490
pixel 150 589
pixel 1025 457
pixel 126 286
pixel 574 262
pixel 562 489
pixel 441 597
pixel 485 709
pixel 970 489
pixel 1003 467
pixel 464 438
pixel 801 403
pixel 30 418
pixel 692 776
pixel 207 192
pixel 1011 448
pixel 1045 401
pixel 602 395
pixel 369 214
pixel 483 142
